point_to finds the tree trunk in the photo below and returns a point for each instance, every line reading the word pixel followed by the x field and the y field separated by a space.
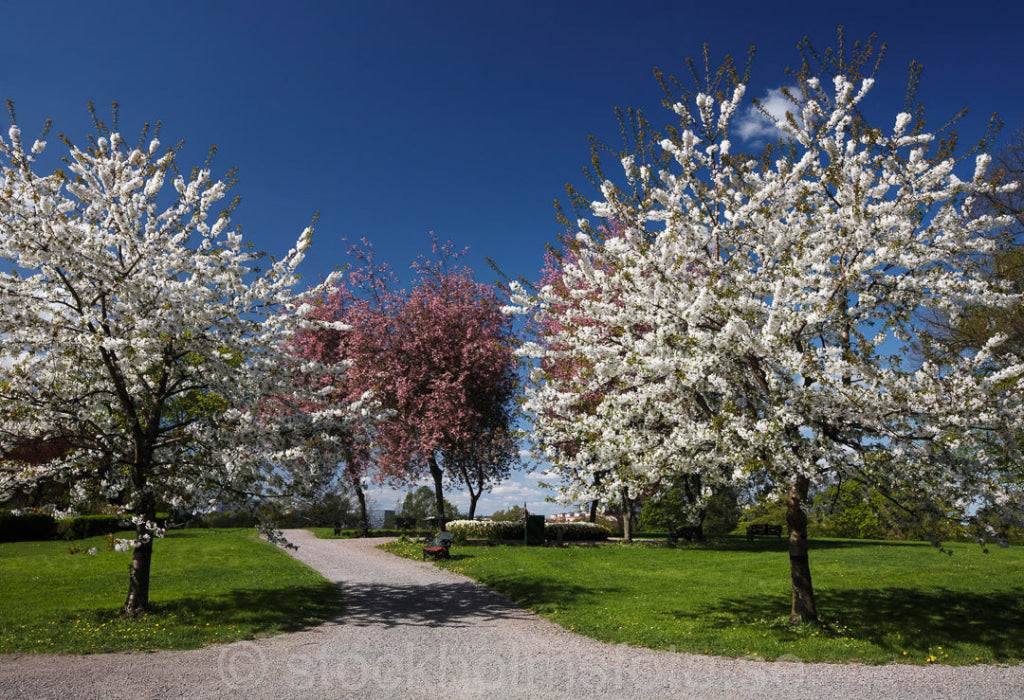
pixel 594 503
pixel 698 530
pixel 474 496
pixel 364 516
pixel 138 577
pixel 137 601
pixel 804 609
pixel 437 474
pixel 627 517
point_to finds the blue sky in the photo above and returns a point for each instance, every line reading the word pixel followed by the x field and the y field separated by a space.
pixel 396 118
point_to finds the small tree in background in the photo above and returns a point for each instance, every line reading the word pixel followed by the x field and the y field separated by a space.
pixel 440 360
pixel 512 514
pixel 418 508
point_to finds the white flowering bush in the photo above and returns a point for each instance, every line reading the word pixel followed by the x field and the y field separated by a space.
pixel 576 531
pixel 508 530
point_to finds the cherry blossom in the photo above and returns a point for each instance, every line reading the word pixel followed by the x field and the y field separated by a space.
pixel 140 339
pixel 759 314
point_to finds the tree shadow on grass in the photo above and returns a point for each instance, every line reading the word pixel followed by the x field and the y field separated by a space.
pixel 284 609
pixel 897 619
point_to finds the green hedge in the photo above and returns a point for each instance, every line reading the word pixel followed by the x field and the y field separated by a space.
pixel 82 526
pixel 26 527
pixel 576 531
pixel 227 519
pixel 505 530
pixel 349 533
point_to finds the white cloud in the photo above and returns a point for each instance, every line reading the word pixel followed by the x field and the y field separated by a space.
pixel 753 125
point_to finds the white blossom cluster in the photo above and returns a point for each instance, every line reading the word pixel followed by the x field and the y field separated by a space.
pixel 747 315
pixel 138 335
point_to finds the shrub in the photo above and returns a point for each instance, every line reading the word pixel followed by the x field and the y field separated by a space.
pixel 228 518
pixel 82 526
pixel 722 514
pixel 486 529
pixel 768 512
pixel 26 527
pixel 572 532
pixel 505 530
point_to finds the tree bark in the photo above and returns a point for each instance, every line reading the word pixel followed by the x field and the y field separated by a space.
pixel 437 474
pixel 698 529
pixel 594 503
pixel 627 517
pixel 137 601
pixel 474 496
pixel 803 608
pixel 364 516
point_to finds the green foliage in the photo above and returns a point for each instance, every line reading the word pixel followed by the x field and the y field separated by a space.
pixel 576 531
pixel 852 510
pixel 513 514
pixel 419 505
pixel 880 603
pixel 332 507
pixel 856 511
pixel 26 527
pixel 508 530
pixel 769 511
pixel 83 526
pixel 239 587
pixel 674 509
pixel 227 519
pixel 722 514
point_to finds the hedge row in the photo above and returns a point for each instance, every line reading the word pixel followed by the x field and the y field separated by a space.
pixel 26 527
pixel 39 526
pixel 82 526
pixel 505 530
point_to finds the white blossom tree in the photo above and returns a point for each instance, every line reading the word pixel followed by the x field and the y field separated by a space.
pixel 144 354
pixel 759 312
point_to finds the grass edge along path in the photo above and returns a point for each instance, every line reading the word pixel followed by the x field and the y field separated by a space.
pixel 208 587
pixel 880 602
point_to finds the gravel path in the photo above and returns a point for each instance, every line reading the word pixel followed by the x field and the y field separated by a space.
pixel 410 630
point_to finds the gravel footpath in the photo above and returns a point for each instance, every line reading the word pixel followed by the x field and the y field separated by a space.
pixel 410 630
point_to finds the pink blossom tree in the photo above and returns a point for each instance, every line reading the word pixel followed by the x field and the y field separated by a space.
pixel 439 358
pixel 359 314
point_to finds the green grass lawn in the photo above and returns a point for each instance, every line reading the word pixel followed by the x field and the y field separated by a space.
pixel 207 586
pixel 879 602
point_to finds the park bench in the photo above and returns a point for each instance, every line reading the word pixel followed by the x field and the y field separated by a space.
pixel 438 549
pixel 762 529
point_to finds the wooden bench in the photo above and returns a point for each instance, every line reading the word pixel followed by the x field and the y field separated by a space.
pixel 438 549
pixel 762 529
